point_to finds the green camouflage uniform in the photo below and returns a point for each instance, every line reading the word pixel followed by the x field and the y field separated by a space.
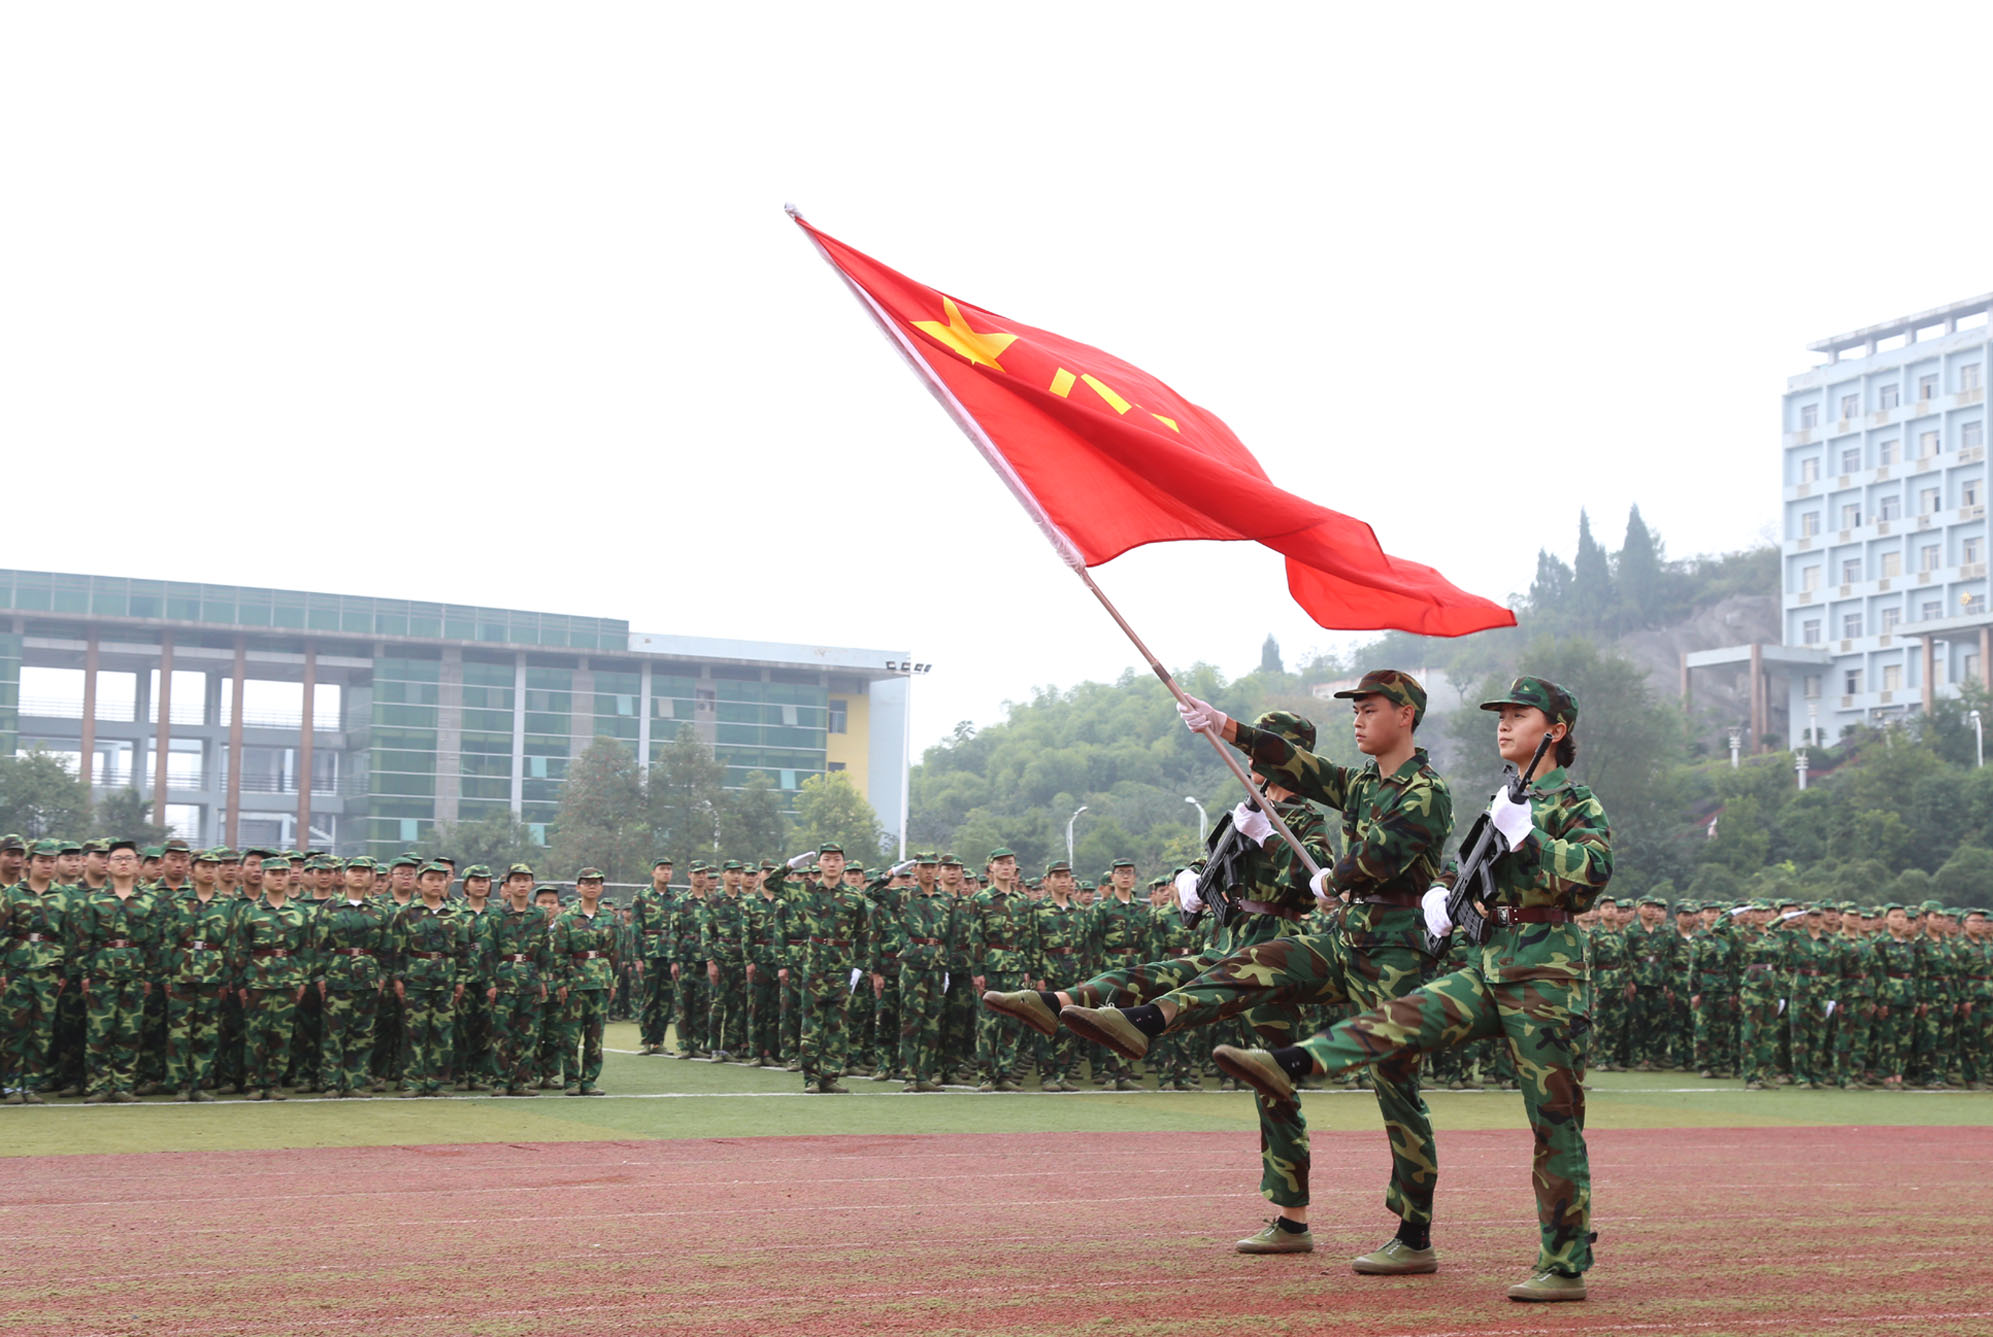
pixel 1937 1003
pixel 194 936
pixel 838 923
pixel 1608 1045
pixel 270 957
pixel 1063 933
pixel 1759 989
pixel 520 952
pixel 586 950
pixel 350 955
pixel 1003 944
pixel 34 944
pixel 1857 1011
pixel 1975 1026
pixel 875 1010
pixel 719 943
pixel 694 997
pixel 1816 973
pixel 921 931
pixel 1651 960
pixel 1524 983
pixel 429 952
pixel 1896 1004
pixel 116 941
pixel 650 918
pixel 1394 831
pixel 764 943
pixel 795 951
pixel 1121 938
pixel 1715 964
pixel 960 1004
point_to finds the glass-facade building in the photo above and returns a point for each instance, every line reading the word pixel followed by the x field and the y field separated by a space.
pixel 363 722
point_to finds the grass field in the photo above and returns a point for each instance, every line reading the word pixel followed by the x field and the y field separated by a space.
pixel 719 1199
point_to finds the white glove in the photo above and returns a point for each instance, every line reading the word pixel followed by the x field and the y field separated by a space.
pixel 1434 905
pixel 855 974
pixel 1510 818
pixel 1830 1005
pixel 1781 1007
pixel 1186 892
pixel 1319 883
pixel 944 981
pixel 802 861
pixel 1199 716
pixel 1251 823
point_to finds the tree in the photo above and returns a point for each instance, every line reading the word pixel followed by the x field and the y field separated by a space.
pixel 829 809
pixel 1591 578
pixel 686 795
pixel 1551 589
pixel 1269 656
pixel 497 840
pixel 125 814
pixel 39 796
pixel 1639 574
pixel 600 822
pixel 751 821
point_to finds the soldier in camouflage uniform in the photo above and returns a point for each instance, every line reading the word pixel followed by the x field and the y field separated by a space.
pixel 919 933
pixel 796 944
pixel 270 960
pixel 390 1057
pixel 764 939
pixel 1608 1048
pixel 1171 934
pixel 194 932
pixel 1063 931
pixel 650 917
pixel 553 1059
pixel 518 941
pixel 586 943
pixel 1715 968
pixel 960 1004
pixel 1896 961
pixel 473 1062
pixel 1816 971
pixel 726 969
pixel 351 965
pixel 881 1053
pixel 1397 814
pixel 113 933
pixel 1525 983
pixel 1003 944
pixel 688 964
pixel 837 917
pixel 1681 1017
pixel 1857 992
pixel 1760 988
pixel 33 945
pixel 1974 952
pixel 429 944
pixel 1651 948
pixel 1121 939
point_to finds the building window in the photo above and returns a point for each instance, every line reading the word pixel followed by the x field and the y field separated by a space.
pixel 1851 682
pixel 1890 617
pixel 1885 454
pixel 789 717
pixel 1892 564
pixel 1927 387
pixel 1927 557
pixel 1809 577
pixel 835 766
pixel 1851 516
pixel 1809 469
pixel 838 711
pixel 1888 507
pixel 1968 376
pixel 1812 686
pixel 1850 405
pixel 1809 631
pixel 1851 625
pixel 1928 611
pixel 1851 460
pixel 1927 445
pixel 1809 416
pixel 1887 397
pixel 788 779
pixel 1892 677
pixel 1927 501
pixel 1809 524
pixel 1851 570
pixel 1968 551
pixel 1971 434
pixel 1968 665
pixel 1968 492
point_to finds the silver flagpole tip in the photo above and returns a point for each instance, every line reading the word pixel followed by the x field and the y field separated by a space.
pixel 793 212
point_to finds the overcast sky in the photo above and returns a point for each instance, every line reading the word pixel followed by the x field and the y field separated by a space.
pixel 497 303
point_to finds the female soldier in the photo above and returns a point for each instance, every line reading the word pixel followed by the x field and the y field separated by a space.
pixel 1524 981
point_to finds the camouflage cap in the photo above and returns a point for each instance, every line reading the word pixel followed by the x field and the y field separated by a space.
pixel 731 866
pixel 148 852
pixel 12 843
pixel 435 866
pixel 1892 906
pixel 661 861
pixel 227 855
pixel 1975 912
pixel 1931 908
pixel 101 845
pixel 1394 685
pixel 589 875
pixel 1848 908
pixel 951 861
pixel 547 889
pixel 525 868
pixel 1124 863
pixel 276 863
pixel 1285 724
pixel 1815 909
pixel 477 870
pixel 365 862
pixel 927 856
pixel 45 849
pixel 768 865
pixel 212 855
pixel 404 861
pixel 830 847
pixel 1561 706
pixel 1057 866
pixel 71 846
pixel 1001 852
pixel 178 846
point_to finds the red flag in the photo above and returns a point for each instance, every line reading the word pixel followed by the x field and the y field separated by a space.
pixel 1107 458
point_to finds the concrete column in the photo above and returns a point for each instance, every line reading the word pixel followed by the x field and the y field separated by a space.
pixel 581 709
pixel 1758 695
pixel 88 769
pixel 163 736
pixel 519 734
pixel 643 719
pixel 233 809
pixel 449 734
pixel 305 728
pixel 1930 668
pixel 1985 650
pixel 1688 704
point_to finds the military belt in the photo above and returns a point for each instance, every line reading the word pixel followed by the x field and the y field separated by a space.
pixel 1122 951
pixel 199 945
pixel 1286 912
pixel 928 942
pixel 1759 965
pixel 269 951
pixel 517 958
pixel 1062 951
pixel 889 956
pixel 1502 916
pixel 1900 975
pixel 831 942
pixel 355 951
pixel 1407 899
pixel 586 956
pixel 1809 972
pixel 33 937
pixel 761 942
pixel 999 946
pixel 115 942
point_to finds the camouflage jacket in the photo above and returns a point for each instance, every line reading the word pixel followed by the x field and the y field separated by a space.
pixel 1761 967
pixel 349 944
pixel 193 938
pixel 688 919
pixel 1975 962
pixel 1609 955
pixel 1651 954
pixel 765 931
pixel 1895 971
pixel 882 915
pixel 1394 827
pixel 960 964
pixel 922 929
pixel 519 943
pixel 1003 933
pixel 1857 970
pixel 1169 936
pixel 650 919
pixel 587 948
pixel 1565 862
pixel 271 945
pixel 1937 969
pixel 1715 960
pixel 32 923
pixel 838 920
pixel 1816 966
pixel 1062 941
pixel 720 929
pixel 430 949
pixel 1121 931
pixel 113 937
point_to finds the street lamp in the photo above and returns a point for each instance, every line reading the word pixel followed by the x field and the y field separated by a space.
pixel 906 668
pixel 1799 765
pixel 1978 738
pixel 1069 831
pixel 1813 725
pixel 1203 818
pixel 1736 746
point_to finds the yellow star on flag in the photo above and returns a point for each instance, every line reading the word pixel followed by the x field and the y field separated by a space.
pixel 981 348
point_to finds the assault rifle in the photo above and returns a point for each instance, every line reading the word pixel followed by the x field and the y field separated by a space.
pixel 1222 880
pixel 1476 880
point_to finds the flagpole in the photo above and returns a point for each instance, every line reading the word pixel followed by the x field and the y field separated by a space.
pixel 1057 537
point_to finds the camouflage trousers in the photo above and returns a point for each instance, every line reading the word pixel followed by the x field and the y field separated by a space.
pixel 883 1053
pixel 764 1013
pixel 1852 1037
pixel 551 1061
pixel 193 1034
pixel 390 1041
pixel 1364 967
pixel 114 1012
pixel 1647 1025
pixel 824 1043
pixel 429 1038
pixel 1933 1053
pixel 473 1060
pixel 1608 1046
pixel 1975 1040
pixel 228 1052
pixel 1894 1032
pixel 1812 1053
pixel 959 1005
pixel 694 1012
pixel 307 1041
pixel 515 1035
pixel 1716 1030
pixel 581 1037
pixel 655 1007
pixel 1758 1039
pixel 346 1045
pixel 27 1024
pixel 66 1045
pixel 726 1008
pixel 1000 1039
pixel 267 1021
pixel 1541 1027
pixel 792 1013
pixel 920 1009
pixel 859 1008
pixel 152 1039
